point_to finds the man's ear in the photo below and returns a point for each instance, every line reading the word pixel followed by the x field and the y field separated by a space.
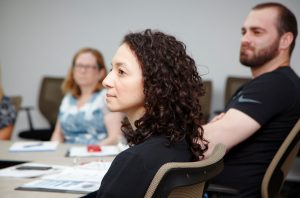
pixel 286 40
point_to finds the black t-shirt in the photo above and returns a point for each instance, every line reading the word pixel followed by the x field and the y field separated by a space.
pixel 273 100
pixel 132 171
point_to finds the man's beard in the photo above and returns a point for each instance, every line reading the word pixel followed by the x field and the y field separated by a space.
pixel 261 57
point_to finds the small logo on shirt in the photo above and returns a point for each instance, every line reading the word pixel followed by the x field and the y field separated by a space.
pixel 241 99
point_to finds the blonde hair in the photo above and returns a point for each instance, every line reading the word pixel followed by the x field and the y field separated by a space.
pixel 69 84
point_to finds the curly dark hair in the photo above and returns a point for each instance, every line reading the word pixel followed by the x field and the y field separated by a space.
pixel 172 89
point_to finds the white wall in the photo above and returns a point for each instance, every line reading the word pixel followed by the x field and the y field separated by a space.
pixel 39 37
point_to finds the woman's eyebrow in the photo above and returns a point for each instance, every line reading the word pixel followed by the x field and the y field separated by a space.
pixel 118 64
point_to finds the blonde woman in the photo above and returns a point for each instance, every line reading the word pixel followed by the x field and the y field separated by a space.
pixel 83 116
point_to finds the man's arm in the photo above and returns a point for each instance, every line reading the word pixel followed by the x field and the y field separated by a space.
pixel 230 129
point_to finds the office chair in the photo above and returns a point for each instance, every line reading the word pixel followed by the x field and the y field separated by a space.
pixel 206 100
pixel 277 170
pixel 16 101
pixel 186 179
pixel 281 164
pixel 231 86
pixel 50 97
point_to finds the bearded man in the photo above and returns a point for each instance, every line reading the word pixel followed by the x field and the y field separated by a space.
pixel 262 112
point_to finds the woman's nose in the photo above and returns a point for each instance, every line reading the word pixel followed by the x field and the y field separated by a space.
pixel 107 82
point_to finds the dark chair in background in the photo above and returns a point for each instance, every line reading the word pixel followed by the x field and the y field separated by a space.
pixel 231 86
pixel 50 97
pixel 16 101
pixel 277 171
pixel 206 100
pixel 186 179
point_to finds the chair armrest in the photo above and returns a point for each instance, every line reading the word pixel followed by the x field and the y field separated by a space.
pixel 215 189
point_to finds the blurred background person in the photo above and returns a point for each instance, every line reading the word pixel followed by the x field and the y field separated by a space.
pixel 8 116
pixel 83 116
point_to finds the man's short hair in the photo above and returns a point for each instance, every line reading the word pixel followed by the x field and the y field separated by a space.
pixel 286 22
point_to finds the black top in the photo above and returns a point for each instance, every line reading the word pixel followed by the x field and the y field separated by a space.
pixel 132 171
pixel 273 100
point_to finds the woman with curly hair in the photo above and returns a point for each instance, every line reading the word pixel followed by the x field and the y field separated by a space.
pixel 156 84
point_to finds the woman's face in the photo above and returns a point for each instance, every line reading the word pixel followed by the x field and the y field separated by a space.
pixel 86 73
pixel 124 84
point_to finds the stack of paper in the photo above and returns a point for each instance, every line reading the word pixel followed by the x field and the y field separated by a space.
pixel 33 146
pixel 80 179
pixel 29 171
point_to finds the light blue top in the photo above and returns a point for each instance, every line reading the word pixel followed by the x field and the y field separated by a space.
pixel 83 125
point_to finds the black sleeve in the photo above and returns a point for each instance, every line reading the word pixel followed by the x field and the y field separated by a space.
pixel 119 182
pixel 265 97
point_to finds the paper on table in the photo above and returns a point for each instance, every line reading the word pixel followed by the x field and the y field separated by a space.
pixel 78 174
pixel 81 151
pixel 80 179
pixel 14 172
pixel 60 186
pixel 33 146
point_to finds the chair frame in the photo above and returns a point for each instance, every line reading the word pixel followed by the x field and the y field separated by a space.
pixel 277 170
pixel 49 111
pixel 186 178
pixel 281 163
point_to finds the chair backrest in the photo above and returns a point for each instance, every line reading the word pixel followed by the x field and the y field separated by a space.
pixel 50 98
pixel 186 179
pixel 232 84
pixel 206 100
pixel 16 101
pixel 281 164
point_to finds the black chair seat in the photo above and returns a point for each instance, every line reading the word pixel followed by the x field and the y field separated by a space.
pixel 37 134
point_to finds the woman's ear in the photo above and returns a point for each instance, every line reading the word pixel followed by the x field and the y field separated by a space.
pixel 286 40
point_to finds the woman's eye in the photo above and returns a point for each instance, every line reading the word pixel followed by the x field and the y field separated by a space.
pixel 121 72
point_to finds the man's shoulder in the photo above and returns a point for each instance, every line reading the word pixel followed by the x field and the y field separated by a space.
pixel 285 73
pixel 280 79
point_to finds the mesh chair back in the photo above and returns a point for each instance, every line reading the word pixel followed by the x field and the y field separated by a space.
pixel 206 100
pixel 232 85
pixel 186 179
pixel 50 98
pixel 281 164
pixel 16 101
